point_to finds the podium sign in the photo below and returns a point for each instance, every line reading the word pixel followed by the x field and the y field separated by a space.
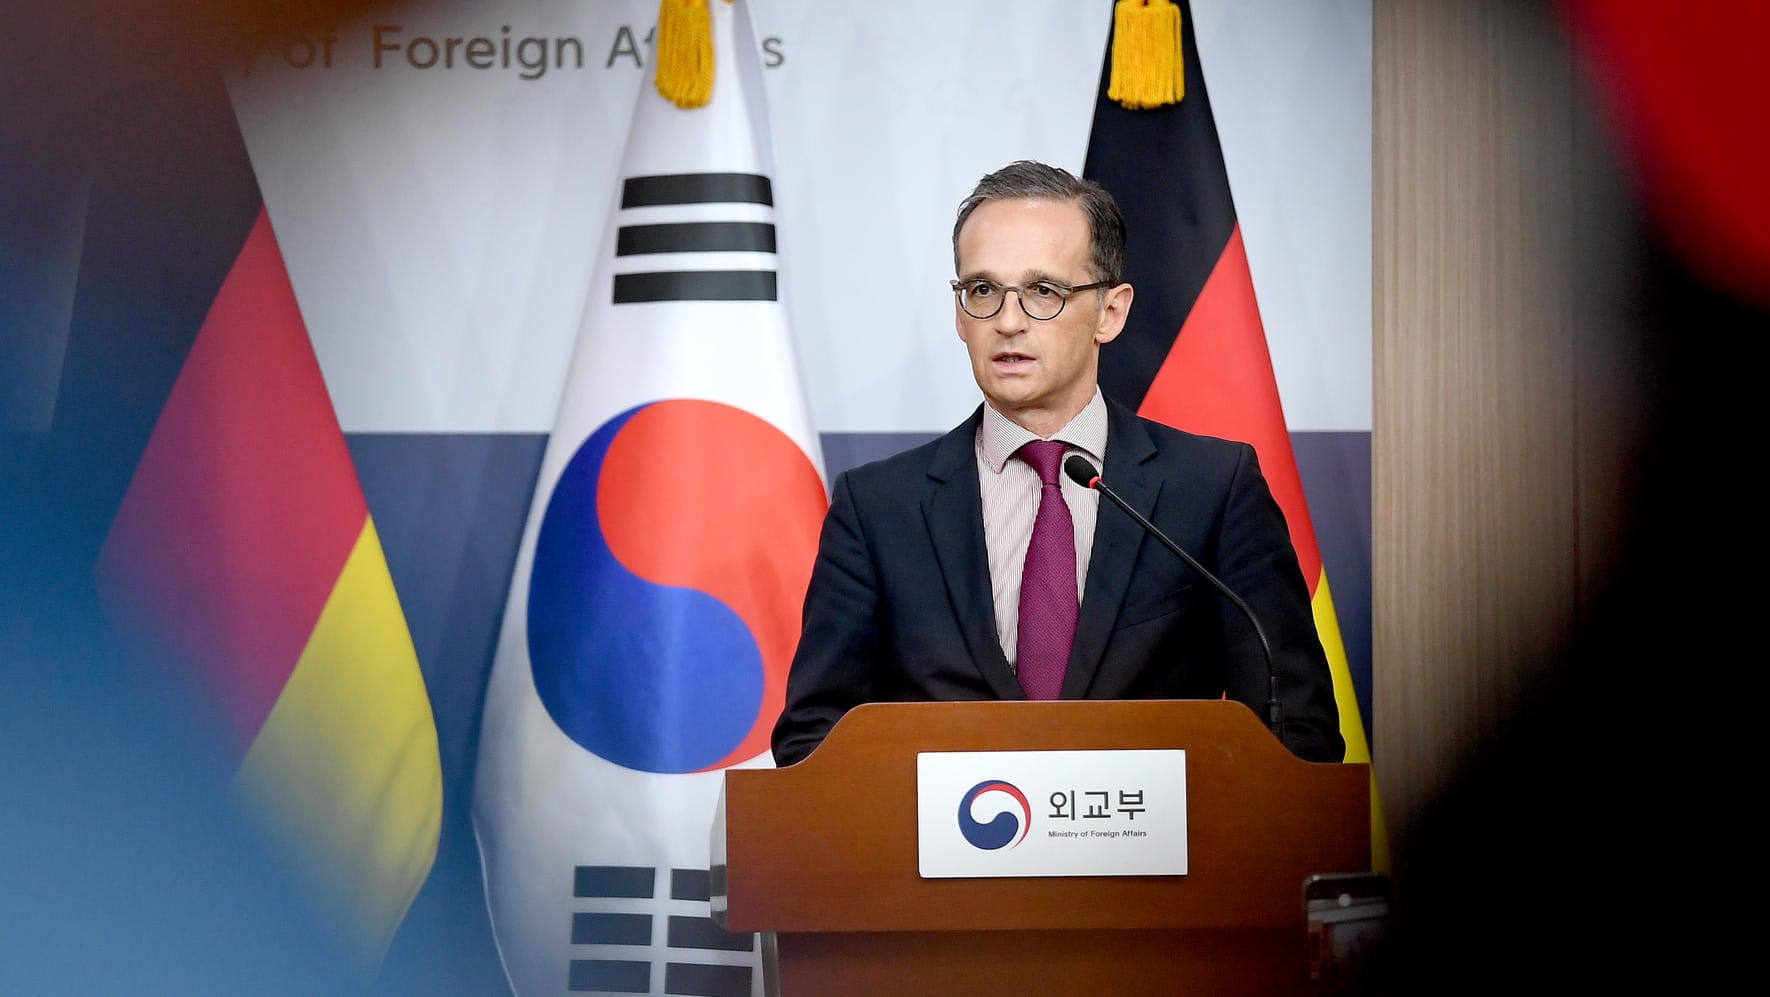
pixel 1051 813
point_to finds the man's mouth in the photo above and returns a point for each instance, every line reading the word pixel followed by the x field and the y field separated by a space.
pixel 1011 358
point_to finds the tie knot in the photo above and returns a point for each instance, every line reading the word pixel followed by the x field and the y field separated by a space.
pixel 1045 456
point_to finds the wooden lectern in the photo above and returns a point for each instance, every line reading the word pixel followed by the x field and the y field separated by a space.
pixel 823 855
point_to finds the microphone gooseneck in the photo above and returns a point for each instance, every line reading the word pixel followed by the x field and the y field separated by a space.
pixel 1082 472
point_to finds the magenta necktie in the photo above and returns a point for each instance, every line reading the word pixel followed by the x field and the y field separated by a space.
pixel 1048 604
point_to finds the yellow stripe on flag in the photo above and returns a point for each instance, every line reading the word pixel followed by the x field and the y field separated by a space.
pixel 346 766
pixel 1358 749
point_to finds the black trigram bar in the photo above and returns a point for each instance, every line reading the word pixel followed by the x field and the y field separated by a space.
pixel 614 881
pixel 695 237
pixel 697 188
pixel 695 285
pixel 702 933
pixel 611 929
pixel 688 884
pixel 701 980
pixel 686 936
pixel 609 976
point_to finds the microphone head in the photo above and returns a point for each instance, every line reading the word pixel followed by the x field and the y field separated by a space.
pixel 1080 470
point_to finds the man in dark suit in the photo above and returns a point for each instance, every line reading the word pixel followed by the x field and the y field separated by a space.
pixel 917 591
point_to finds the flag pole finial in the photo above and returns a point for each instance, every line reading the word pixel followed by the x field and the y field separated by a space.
pixel 1147 69
pixel 685 52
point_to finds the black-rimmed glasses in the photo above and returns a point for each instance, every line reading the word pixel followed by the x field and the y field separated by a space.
pixel 1040 299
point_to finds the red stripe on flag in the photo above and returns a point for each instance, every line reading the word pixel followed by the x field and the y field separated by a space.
pixel 1217 380
pixel 1687 95
pixel 245 505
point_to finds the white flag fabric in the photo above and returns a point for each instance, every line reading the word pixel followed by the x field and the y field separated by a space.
pixel 656 598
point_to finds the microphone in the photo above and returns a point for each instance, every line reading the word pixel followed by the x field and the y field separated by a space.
pixel 1083 473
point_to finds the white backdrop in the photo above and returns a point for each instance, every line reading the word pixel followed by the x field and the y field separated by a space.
pixel 440 224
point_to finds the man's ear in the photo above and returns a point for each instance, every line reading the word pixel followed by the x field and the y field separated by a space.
pixel 1113 313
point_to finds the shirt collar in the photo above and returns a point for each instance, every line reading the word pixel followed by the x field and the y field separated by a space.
pixel 998 437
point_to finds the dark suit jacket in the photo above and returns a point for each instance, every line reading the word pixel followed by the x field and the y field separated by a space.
pixel 899 606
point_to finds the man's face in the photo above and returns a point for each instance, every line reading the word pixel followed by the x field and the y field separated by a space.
pixel 1037 373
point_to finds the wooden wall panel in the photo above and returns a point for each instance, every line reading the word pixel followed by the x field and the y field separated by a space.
pixel 1483 402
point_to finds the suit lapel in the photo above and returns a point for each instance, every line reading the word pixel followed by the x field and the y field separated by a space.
pixel 953 510
pixel 1117 539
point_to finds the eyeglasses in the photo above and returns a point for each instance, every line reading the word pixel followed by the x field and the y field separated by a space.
pixel 1040 299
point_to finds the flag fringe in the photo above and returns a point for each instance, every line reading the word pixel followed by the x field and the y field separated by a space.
pixel 1147 68
pixel 685 52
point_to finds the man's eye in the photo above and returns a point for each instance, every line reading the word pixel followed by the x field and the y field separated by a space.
pixel 980 289
pixel 1044 290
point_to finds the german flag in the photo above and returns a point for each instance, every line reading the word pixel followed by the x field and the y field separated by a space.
pixel 1193 354
pixel 241 567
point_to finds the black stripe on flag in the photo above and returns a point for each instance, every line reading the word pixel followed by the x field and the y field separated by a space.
pixel 695 285
pixel 1165 168
pixel 614 881
pixel 702 933
pixel 603 928
pixel 609 976
pixel 686 937
pixel 695 237
pixel 696 188
pixel 172 199
pixel 689 884
pixel 702 980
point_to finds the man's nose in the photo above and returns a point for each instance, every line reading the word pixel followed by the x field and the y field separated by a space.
pixel 1012 317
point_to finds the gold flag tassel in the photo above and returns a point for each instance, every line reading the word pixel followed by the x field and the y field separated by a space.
pixel 1147 70
pixel 685 52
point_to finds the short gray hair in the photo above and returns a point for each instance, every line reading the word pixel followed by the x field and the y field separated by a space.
pixel 1026 179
